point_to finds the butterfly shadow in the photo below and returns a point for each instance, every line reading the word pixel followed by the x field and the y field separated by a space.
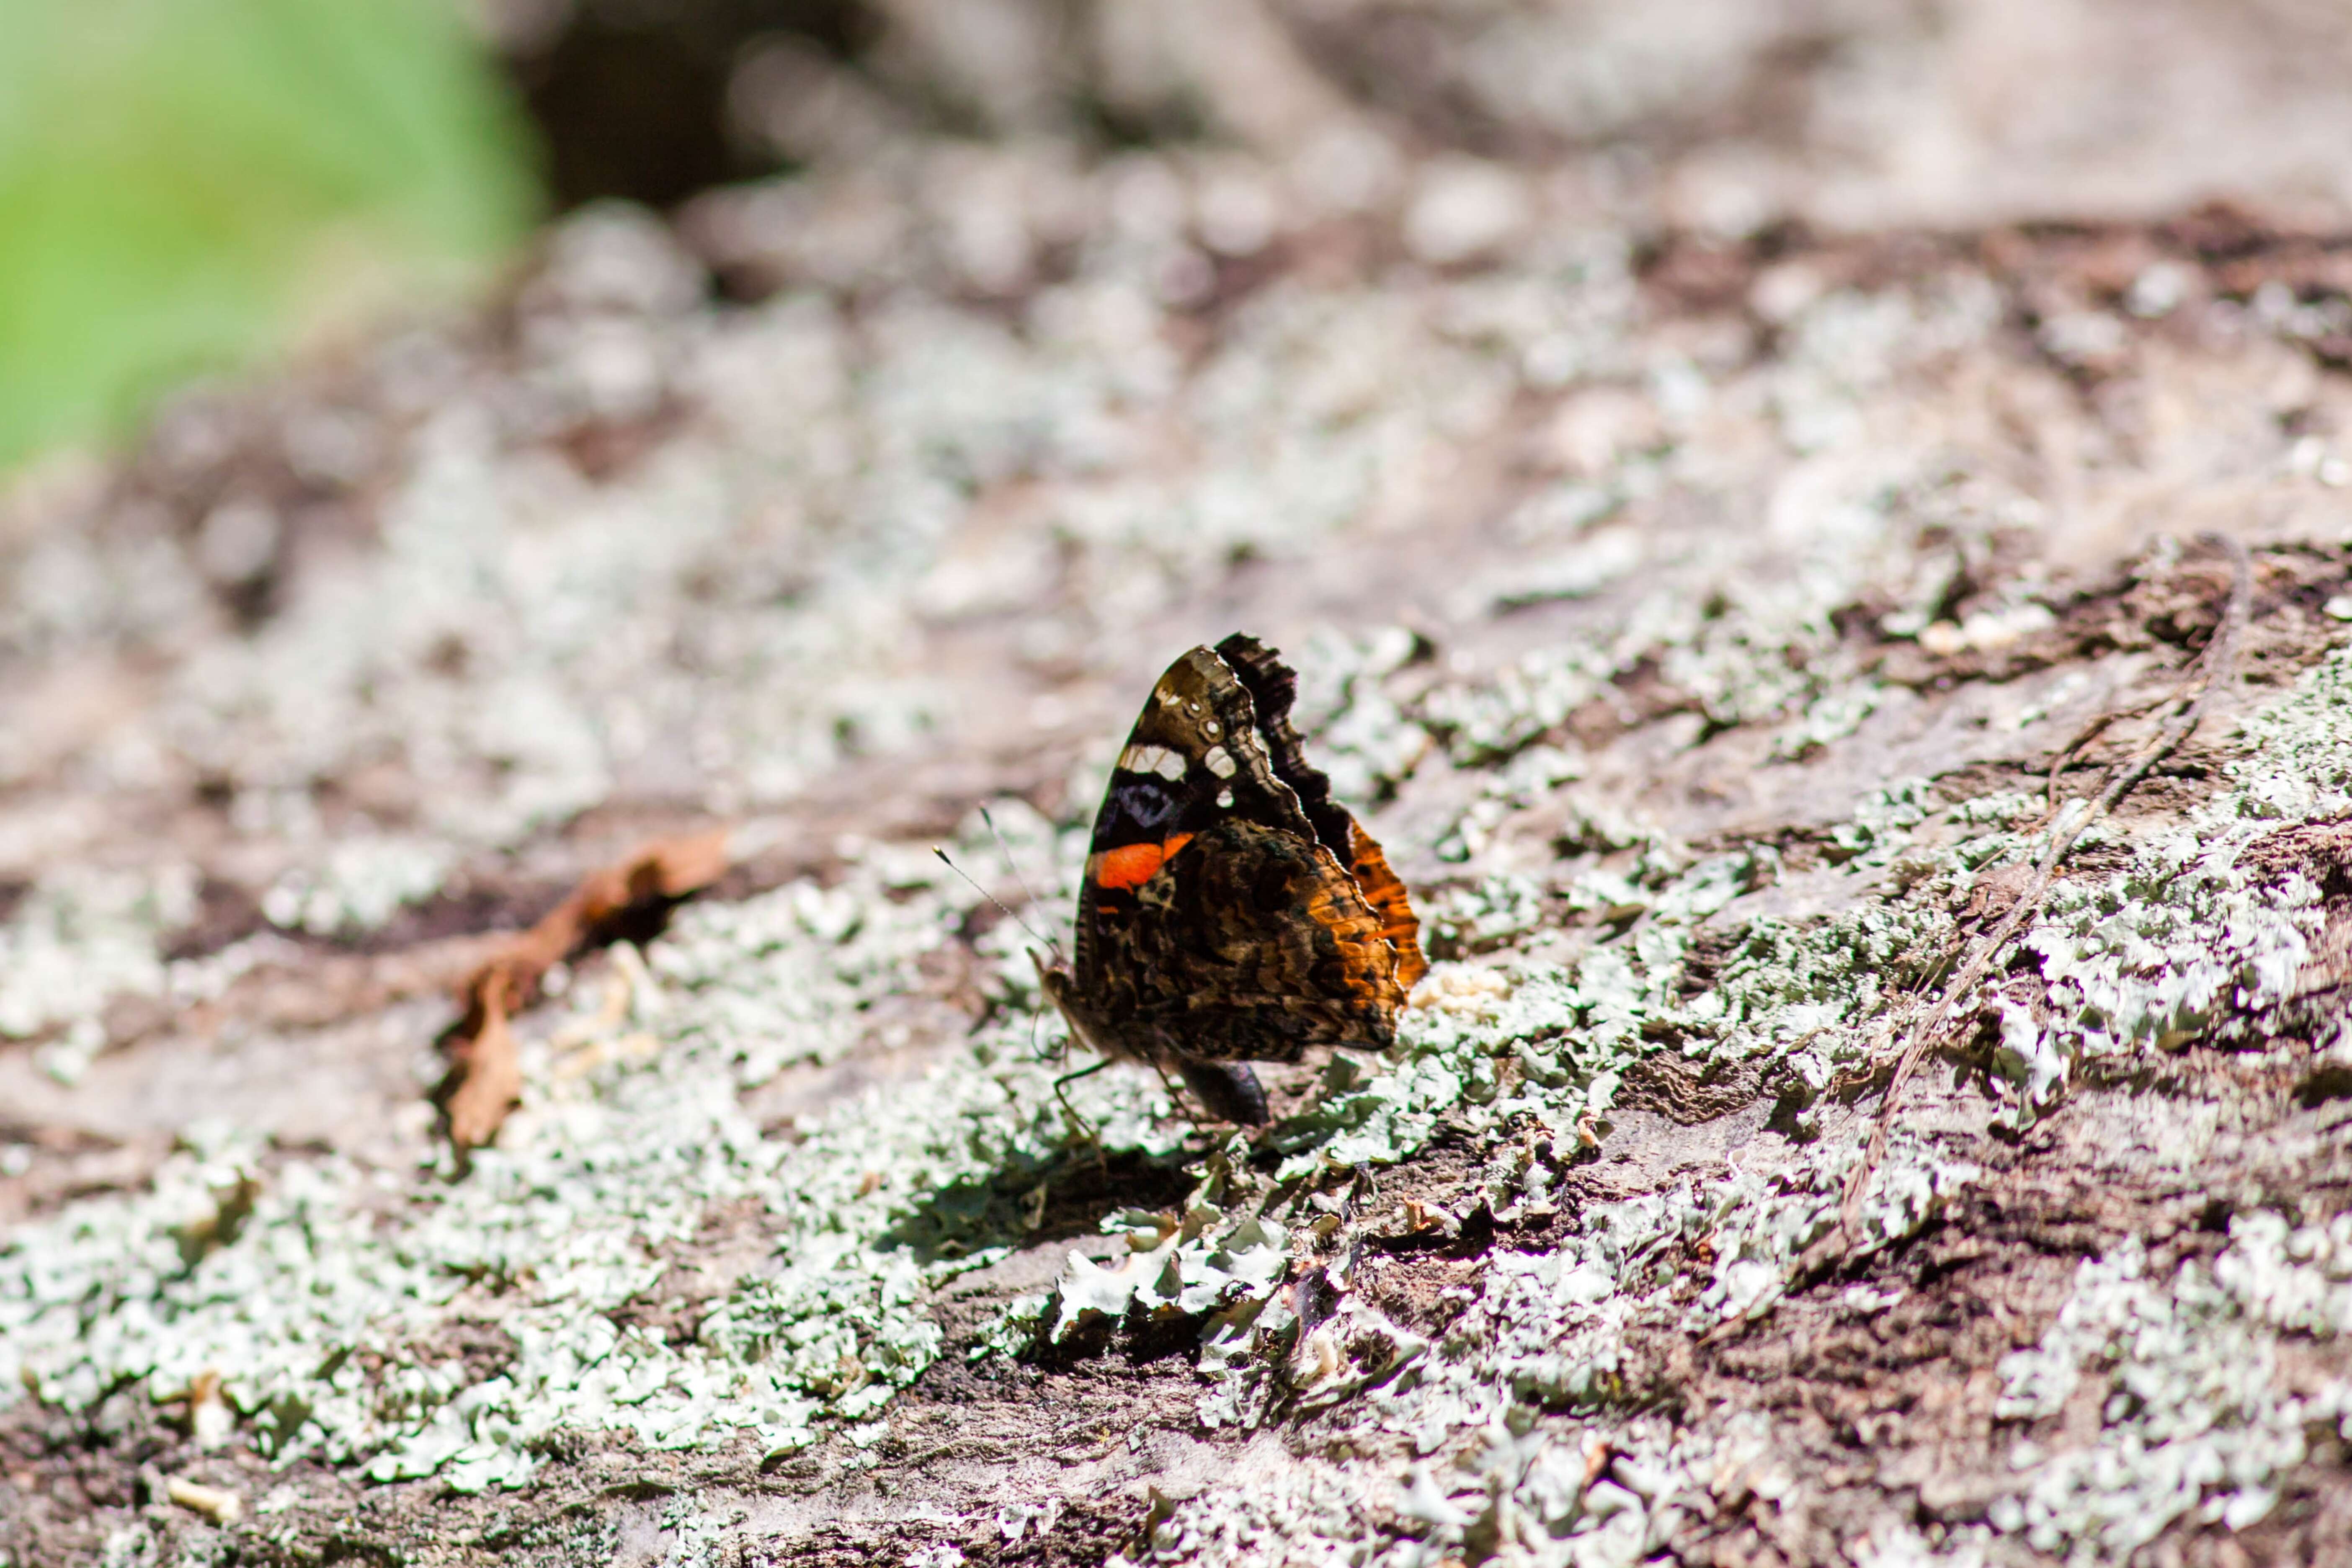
pixel 1033 1199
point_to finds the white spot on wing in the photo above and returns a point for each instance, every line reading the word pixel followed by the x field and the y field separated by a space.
pixel 1152 760
pixel 1225 798
pixel 1220 762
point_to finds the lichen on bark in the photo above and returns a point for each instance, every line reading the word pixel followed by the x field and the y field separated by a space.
pixel 1715 624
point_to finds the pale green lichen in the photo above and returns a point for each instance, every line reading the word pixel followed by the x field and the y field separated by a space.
pixel 324 1292
pixel 324 1320
pixel 327 1292
pixel 794 976
pixel 80 938
pixel 2186 942
pixel 357 885
pixel 1204 1264
pixel 2193 1417
pixel 2186 1374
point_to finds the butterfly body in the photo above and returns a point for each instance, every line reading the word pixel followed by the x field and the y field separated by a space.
pixel 1231 912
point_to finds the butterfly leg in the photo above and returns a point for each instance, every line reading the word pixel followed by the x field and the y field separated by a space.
pixel 1179 1101
pixel 1078 1124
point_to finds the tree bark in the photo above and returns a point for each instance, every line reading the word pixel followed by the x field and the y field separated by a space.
pixel 1720 627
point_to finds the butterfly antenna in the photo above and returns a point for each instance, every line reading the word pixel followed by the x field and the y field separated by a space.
pixel 992 899
pixel 1014 867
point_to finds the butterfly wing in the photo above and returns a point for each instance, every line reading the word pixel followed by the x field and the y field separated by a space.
pixel 1219 920
pixel 1273 687
pixel 1254 945
pixel 1183 769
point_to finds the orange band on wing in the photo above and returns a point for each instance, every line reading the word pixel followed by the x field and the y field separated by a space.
pixel 1132 864
pixel 1384 891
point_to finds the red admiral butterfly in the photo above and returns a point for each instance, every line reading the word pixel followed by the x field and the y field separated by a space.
pixel 1232 910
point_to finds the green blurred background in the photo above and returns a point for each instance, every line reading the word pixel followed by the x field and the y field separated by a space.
pixel 197 186
pixel 184 183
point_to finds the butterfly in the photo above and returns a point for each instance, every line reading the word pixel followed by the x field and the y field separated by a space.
pixel 1232 912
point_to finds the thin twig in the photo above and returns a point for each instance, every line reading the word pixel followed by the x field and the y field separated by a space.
pixel 2083 737
pixel 2212 671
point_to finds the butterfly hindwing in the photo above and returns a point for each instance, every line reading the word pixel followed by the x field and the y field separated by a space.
pixel 1273 687
pixel 1253 946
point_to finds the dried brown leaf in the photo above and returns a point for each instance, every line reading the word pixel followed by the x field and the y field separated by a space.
pixel 484 1076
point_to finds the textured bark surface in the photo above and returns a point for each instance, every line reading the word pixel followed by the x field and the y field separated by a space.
pixel 1722 540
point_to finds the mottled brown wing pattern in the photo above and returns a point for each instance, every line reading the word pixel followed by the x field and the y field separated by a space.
pixel 1273 686
pixel 1252 946
pixel 1232 912
pixel 1193 759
